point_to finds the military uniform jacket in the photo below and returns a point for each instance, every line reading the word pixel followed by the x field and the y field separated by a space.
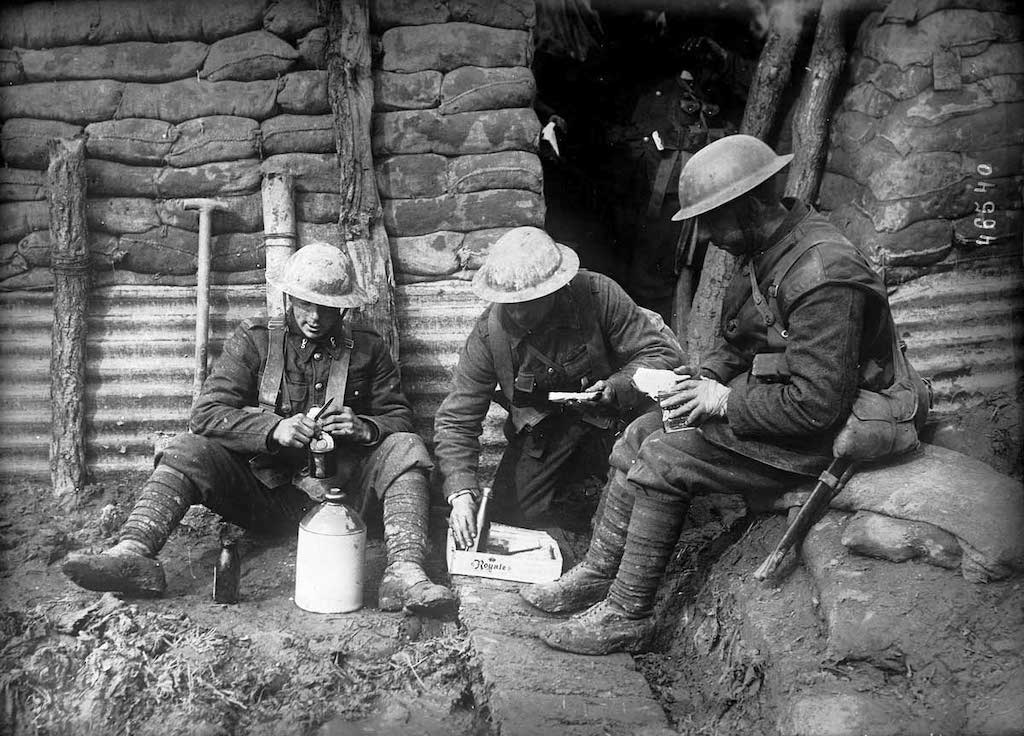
pixel 835 311
pixel 228 407
pixel 626 339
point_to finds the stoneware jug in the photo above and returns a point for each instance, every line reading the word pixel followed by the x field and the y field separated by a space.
pixel 330 557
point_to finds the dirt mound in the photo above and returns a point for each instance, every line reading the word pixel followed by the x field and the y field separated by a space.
pixel 839 644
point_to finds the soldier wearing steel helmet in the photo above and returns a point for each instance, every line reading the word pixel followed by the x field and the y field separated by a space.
pixel 246 457
pixel 805 323
pixel 550 327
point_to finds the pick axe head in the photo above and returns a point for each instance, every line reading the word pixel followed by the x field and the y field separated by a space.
pixel 203 204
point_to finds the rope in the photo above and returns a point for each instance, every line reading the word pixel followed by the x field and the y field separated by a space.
pixel 69 263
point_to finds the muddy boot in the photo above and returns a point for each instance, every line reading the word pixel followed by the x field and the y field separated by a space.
pixel 624 622
pixel 405 585
pixel 588 582
pixel 129 567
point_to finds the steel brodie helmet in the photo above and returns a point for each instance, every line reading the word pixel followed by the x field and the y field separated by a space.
pixel 524 264
pixel 322 274
pixel 723 170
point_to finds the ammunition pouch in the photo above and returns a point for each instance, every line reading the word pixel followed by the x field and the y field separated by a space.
pixel 885 424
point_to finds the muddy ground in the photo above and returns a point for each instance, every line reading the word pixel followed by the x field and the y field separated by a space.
pixel 75 662
pixel 731 656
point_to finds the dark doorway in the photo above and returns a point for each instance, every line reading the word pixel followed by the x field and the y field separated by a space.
pixel 608 79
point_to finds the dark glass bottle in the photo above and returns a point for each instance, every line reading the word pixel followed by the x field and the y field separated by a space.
pixel 226 574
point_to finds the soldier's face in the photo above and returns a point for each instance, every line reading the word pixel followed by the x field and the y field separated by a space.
pixel 731 227
pixel 527 315
pixel 315 320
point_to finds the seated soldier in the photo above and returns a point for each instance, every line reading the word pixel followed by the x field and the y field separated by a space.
pixel 767 403
pixel 550 328
pixel 246 454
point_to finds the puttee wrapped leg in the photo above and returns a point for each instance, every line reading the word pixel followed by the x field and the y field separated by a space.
pixel 588 582
pixel 405 584
pixel 624 621
pixel 130 567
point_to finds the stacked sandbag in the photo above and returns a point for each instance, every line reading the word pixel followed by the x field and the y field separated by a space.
pixel 454 133
pixel 175 99
pixel 925 158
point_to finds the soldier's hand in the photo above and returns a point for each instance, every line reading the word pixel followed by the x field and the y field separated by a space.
pixel 344 424
pixel 697 399
pixel 462 520
pixel 606 394
pixel 294 431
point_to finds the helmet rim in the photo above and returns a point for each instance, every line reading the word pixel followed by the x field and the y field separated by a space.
pixel 564 270
pixel 711 200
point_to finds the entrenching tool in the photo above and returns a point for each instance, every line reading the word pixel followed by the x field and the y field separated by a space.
pixel 206 208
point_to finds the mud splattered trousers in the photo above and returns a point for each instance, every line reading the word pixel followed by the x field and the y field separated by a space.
pixel 654 476
pixel 224 481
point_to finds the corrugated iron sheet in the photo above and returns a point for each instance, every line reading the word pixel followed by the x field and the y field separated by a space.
pixel 139 363
pixel 963 329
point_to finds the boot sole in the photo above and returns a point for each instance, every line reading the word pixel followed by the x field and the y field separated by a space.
pixel 128 575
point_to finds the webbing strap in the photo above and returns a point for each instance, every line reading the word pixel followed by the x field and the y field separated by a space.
pixel 596 349
pixel 273 371
pixel 338 377
pixel 501 353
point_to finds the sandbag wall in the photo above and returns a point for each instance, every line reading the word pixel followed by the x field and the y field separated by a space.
pixel 925 158
pixel 192 99
pixel 925 170
pixel 454 133
pixel 175 99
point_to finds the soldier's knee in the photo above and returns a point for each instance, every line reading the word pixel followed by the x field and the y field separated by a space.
pixel 184 447
pixel 627 447
pixel 408 446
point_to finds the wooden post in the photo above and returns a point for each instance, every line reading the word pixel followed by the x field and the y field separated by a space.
pixel 278 233
pixel 770 80
pixel 350 85
pixel 813 110
pixel 69 259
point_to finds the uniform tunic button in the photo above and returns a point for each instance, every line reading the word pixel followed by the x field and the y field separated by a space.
pixel 318 385
pixel 731 325
pixel 551 370
pixel 317 356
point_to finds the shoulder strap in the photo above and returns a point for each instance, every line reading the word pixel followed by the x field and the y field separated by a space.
pixel 596 348
pixel 769 310
pixel 273 370
pixel 337 379
pixel 501 353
